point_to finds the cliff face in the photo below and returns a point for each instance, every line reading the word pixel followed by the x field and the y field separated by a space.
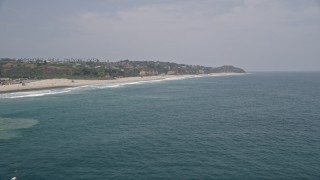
pixel 227 69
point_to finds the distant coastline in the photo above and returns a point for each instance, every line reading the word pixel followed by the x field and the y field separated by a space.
pixel 30 69
pixel 38 73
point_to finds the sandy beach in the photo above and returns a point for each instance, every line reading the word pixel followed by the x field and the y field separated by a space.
pixel 60 83
pixel 56 83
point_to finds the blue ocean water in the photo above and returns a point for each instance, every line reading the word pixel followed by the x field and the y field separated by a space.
pixel 253 126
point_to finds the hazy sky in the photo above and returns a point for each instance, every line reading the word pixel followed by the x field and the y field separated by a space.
pixel 257 35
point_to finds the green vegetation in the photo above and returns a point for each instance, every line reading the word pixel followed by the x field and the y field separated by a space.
pixel 95 69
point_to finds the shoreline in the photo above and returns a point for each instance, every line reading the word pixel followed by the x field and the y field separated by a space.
pixel 67 83
pixel 33 89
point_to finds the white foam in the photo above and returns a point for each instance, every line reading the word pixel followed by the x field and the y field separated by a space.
pixel 36 93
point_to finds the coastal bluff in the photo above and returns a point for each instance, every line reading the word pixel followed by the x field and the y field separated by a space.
pixel 228 69
pixel 36 69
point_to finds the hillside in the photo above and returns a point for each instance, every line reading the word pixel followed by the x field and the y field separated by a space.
pixel 95 69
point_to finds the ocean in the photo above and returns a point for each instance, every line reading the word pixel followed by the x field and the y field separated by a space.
pixel 252 126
